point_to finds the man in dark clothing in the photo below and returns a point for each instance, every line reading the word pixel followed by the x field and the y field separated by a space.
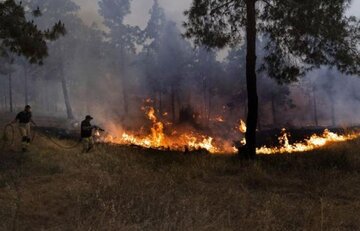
pixel 24 119
pixel 87 134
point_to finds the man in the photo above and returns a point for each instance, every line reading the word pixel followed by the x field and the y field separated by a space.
pixel 86 134
pixel 24 119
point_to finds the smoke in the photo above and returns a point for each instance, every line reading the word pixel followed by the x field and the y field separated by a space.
pixel 190 88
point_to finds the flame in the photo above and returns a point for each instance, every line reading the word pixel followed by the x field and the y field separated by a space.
pixel 220 119
pixel 242 126
pixel 190 141
pixel 158 140
pixel 314 142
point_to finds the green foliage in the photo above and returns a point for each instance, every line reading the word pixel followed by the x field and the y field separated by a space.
pixel 22 37
pixel 301 35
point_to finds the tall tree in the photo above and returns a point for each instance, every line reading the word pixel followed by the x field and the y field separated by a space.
pixel 154 33
pixel 206 69
pixel 6 68
pixel 301 34
pixel 175 57
pixel 122 40
pixel 61 51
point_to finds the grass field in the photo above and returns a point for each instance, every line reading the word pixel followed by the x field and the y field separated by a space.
pixel 124 188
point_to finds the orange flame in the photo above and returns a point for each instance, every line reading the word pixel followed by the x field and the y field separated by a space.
pixel 314 142
pixel 158 140
pixel 177 141
pixel 242 126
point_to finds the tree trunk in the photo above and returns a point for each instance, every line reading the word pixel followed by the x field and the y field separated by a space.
pixel 160 103
pixel 10 94
pixel 26 90
pixel 273 110
pixel 333 119
pixel 316 120
pixel 5 96
pixel 209 105
pixel 124 82
pixel 69 111
pixel 172 100
pixel 204 114
pixel 251 83
pixel 126 101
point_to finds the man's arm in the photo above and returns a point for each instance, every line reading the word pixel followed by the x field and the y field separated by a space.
pixel 32 121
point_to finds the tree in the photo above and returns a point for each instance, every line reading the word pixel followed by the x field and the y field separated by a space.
pixel 61 51
pixel 150 56
pixel 277 95
pixel 122 40
pixel 207 69
pixel 301 35
pixel 175 57
pixel 22 37
pixel 7 69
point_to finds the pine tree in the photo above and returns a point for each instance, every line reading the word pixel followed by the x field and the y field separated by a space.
pixel 301 35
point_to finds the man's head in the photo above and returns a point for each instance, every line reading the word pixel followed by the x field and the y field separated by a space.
pixel 88 118
pixel 28 108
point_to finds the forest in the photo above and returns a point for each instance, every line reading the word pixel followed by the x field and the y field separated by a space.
pixel 109 71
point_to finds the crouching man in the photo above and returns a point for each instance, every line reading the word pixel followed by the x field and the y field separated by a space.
pixel 24 119
pixel 87 133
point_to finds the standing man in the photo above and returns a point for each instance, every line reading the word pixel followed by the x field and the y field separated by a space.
pixel 24 119
pixel 86 134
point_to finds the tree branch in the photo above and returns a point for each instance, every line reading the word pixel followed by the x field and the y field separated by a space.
pixel 221 6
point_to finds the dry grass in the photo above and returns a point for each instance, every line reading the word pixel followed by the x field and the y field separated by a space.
pixel 119 188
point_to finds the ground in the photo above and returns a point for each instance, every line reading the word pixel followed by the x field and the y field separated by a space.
pixel 126 188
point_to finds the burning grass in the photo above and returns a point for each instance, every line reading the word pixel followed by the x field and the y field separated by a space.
pixel 190 140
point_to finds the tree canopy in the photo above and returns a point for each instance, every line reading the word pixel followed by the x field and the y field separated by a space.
pixel 21 36
pixel 301 34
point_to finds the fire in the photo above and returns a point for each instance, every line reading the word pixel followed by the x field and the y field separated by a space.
pixel 242 126
pixel 158 140
pixel 314 142
pixel 220 119
pixel 177 140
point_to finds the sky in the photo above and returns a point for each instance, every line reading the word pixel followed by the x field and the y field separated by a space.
pixel 140 10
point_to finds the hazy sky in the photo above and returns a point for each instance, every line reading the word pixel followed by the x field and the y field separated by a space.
pixel 140 10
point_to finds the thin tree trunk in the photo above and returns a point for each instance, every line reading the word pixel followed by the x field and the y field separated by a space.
pixel 124 82
pixel 10 94
pixel 316 120
pixel 69 111
pixel 333 119
pixel 126 101
pixel 209 105
pixel 5 97
pixel 172 95
pixel 47 98
pixel 26 90
pixel 273 110
pixel 251 82
pixel 88 96
pixel 204 115
pixel 160 103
